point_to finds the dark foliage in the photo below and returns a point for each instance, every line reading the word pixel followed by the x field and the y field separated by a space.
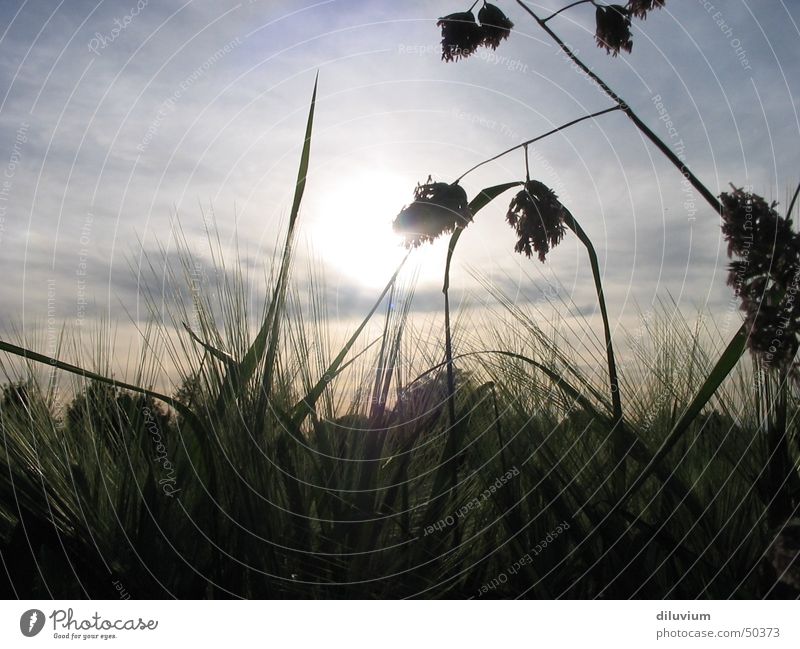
pixel 765 274
pixel 438 208
pixel 495 25
pixel 537 216
pixel 461 35
pixel 640 8
pixel 613 29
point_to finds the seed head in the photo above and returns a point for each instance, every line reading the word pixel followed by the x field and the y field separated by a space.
pixel 495 25
pixel 461 35
pixel 613 29
pixel 765 273
pixel 537 216
pixel 640 8
pixel 438 208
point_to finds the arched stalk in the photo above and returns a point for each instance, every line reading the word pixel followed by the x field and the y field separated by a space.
pixel 649 134
pixel 539 137
pixel 618 437
pixel 476 205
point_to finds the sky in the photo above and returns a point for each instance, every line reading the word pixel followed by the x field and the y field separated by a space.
pixel 127 127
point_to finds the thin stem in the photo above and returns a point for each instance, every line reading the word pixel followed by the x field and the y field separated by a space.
pixel 620 447
pixel 539 137
pixel 527 166
pixel 498 427
pixel 569 6
pixel 670 155
pixel 792 202
pixel 448 338
pixel 472 7
pixel 451 379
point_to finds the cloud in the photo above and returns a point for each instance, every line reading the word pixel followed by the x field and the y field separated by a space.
pixel 201 105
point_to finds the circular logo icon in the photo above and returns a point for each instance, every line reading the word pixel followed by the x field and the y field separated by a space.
pixel 31 622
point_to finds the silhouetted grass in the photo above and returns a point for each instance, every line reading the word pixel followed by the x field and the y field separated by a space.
pixel 285 466
pixel 349 502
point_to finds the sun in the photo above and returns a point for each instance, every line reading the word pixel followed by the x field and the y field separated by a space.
pixel 352 229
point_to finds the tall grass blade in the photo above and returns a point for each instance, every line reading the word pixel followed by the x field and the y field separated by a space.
pixel 280 293
pixel 74 369
pixel 306 405
pixel 730 357
pixel 220 355
pixel 270 327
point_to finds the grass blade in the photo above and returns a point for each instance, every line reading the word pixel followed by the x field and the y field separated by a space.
pixel 730 357
pixel 306 405
pixel 74 369
pixel 270 328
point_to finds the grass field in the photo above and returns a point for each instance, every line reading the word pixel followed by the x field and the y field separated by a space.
pixel 374 495
pixel 506 463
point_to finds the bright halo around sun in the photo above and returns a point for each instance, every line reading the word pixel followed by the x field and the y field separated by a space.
pixel 352 229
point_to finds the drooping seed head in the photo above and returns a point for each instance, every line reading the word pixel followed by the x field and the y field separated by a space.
pixel 438 208
pixel 495 25
pixel 461 35
pixel 640 8
pixel 537 217
pixel 613 29
pixel 765 274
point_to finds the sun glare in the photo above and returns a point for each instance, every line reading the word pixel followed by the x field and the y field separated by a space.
pixel 353 229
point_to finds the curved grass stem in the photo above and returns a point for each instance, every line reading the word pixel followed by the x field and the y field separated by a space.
pixel 569 6
pixel 643 128
pixel 618 437
pixel 539 137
